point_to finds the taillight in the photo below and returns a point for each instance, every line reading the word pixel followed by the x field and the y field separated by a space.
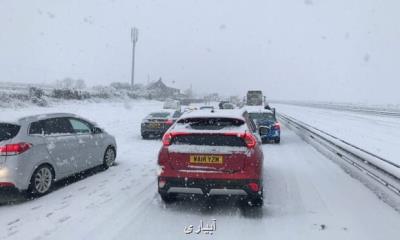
pixel 14 149
pixel 253 187
pixel 169 122
pixel 250 140
pixel 167 138
pixel 277 126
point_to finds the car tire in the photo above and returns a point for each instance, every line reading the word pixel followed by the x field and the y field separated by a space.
pixel 257 200
pixel 277 141
pixel 168 198
pixel 109 157
pixel 145 136
pixel 41 181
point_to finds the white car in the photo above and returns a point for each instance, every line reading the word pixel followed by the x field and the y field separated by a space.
pixel 36 151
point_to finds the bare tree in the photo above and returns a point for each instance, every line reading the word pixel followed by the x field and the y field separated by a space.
pixel 80 84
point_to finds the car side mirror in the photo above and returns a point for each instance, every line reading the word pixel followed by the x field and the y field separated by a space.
pixel 263 130
pixel 97 130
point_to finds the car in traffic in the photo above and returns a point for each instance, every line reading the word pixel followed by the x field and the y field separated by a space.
pixel 190 108
pixel 255 98
pixel 212 153
pixel 36 151
pixel 228 106
pixel 268 125
pixel 207 107
pixel 157 123
pixel 172 104
pixel 221 104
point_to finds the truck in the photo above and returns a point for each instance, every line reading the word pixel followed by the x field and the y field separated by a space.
pixel 254 98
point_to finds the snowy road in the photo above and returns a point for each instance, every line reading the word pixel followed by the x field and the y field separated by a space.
pixel 307 195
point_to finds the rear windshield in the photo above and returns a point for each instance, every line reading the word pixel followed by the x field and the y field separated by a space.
pixel 262 116
pixel 209 140
pixel 211 123
pixel 8 131
pixel 206 107
pixel 228 106
pixel 159 115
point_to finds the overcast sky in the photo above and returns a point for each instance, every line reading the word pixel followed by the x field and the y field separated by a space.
pixel 335 50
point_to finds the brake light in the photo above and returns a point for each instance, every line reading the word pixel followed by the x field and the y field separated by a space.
pixel 167 138
pixel 169 122
pixel 14 149
pixel 277 126
pixel 253 187
pixel 250 140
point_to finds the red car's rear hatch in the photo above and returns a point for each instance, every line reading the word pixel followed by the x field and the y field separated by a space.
pixel 207 152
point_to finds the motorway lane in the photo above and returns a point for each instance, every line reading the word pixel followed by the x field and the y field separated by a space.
pixel 307 196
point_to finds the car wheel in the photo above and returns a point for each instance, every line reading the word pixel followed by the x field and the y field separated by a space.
pixel 145 136
pixel 277 141
pixel 109 158
pixel 256 200
pixel 42 181
pixel 168 198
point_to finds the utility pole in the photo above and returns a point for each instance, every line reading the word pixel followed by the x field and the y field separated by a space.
pixel 134 38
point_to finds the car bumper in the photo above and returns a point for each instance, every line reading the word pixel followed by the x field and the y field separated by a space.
pixel 167 185
pixel 6 178
pixel 273 135
pixel 10 195
pixel 270 138
pixel 7 188
pixel 153 131
pixel 12 175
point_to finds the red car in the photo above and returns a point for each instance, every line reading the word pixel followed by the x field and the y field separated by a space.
pixel 212 152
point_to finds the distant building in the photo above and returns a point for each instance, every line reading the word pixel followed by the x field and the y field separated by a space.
pixel 160 90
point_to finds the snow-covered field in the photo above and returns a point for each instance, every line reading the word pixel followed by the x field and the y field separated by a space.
pixel 377 134
pixel 307 195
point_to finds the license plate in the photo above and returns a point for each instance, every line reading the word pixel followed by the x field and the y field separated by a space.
pixel 206 159
pixel 154 125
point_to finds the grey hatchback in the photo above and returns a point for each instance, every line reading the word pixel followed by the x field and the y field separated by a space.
pixel 37 150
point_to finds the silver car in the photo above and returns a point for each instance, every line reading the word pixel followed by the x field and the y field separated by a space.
pixel 38 150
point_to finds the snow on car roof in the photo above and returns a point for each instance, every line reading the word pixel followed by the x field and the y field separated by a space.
pixel 46 116
pixel 216 113
pixel 9 122
pixel 260 109
pixel 170 111
pixel 232 114
pixel 185 127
